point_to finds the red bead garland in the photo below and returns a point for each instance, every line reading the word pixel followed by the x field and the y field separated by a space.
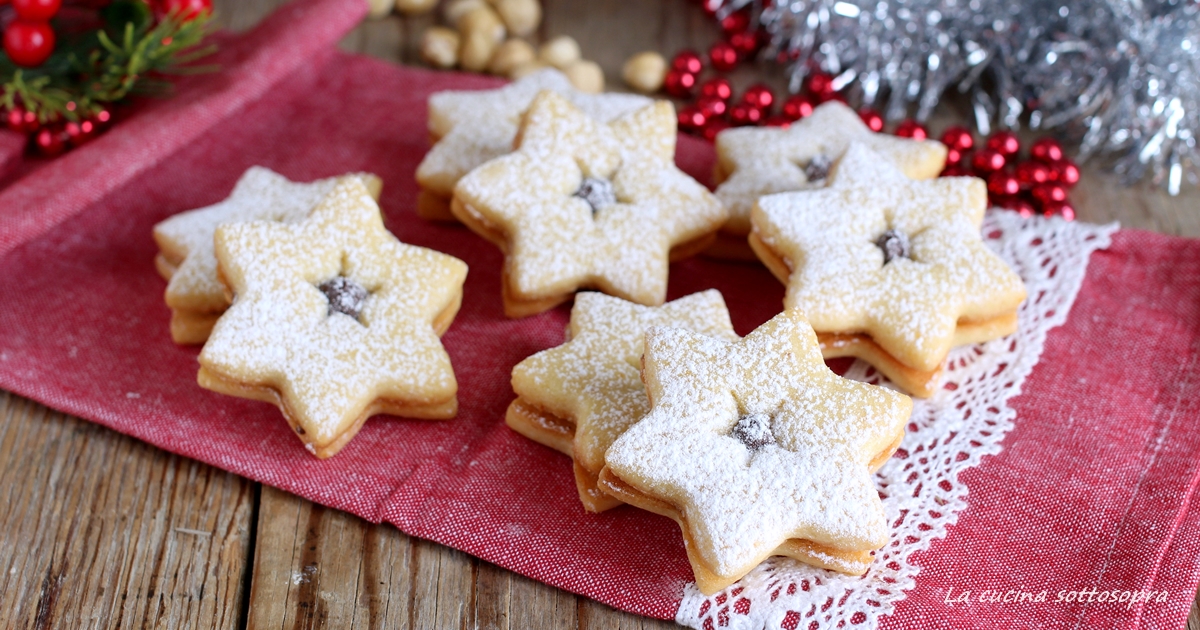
pixel 872 119
pixel 687 61
pixel 723 55
pixel 910 128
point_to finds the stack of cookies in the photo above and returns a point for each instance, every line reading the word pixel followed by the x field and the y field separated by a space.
pixel 752 445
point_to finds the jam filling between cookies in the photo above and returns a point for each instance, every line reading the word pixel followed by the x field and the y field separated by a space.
pixel 894 244
pixel 753 430
pixel 345 296
pixel 597 192
pixel 817 169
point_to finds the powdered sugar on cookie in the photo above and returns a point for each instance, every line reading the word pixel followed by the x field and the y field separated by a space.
pixel 810 481
pixel 910 305
pixel 757 161
pixel 327 367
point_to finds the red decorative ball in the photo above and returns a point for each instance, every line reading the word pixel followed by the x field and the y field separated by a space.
pixel 691 119
pixel 28 43
pixel 1005 143
pixel 183 10
pixel 956 156
pixel 987 161
pixel 958 138
pixel 735 22
pixel 745 43
pixel 872 118
pixel 687 61
pixel 1061 208
pixel 910 128
pixel 723 55
pixel 718 88
pixel 36 10
pixel 50 141
pixel 1016 204
pixel 954 170
pixel 1003 183
pixel 103 117
pixel 799 106
pixel 744 114
pixel 1064 172
pixel 759 96
pixel 820 83
pixel 783 122
pixel 80 132
pixel 1046 150
pixel 679 84
pixel 715 127
pixel 1046 193
pixel 20 120
pixel 1031 173
pixel 712 107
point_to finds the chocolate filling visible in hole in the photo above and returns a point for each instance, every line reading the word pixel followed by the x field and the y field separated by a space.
pixel 817 168
pixel 345 296
pixel 597 192
pixel 894 244
pixel 753 430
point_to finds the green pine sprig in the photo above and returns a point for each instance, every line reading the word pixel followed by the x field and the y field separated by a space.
pixel 89 71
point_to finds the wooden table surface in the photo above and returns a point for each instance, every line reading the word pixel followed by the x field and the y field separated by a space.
pixel 100 530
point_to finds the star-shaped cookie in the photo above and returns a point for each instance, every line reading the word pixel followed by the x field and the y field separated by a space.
pixel 757 161
pixel 889 269
pixel 757 449
pixel 583 204
pixel 334 320
pixel 185 241
pixel 470 127
pixel 578 398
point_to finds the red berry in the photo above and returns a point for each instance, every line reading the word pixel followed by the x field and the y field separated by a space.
pixel 718 88
pixel 679 84
pixel 958 138
pixel 745 43
pixel 744 114
pixel 50 141
pixel 954 170
pixel 712 107
pixel 1003 183
pixel 20 120
pixel 956 156
pixel 691 118
pixel 987 161
pixel 1046 193
pixel 910 128
pixel 735 22
pixel 103 117
pixel 1062 208
pixel 1046 150
pixel 183 10
pixel 799 106
pixel 1030 174
pixel 1005 143
pixel 80 132
pixel 777 121
pixel 723 55
pixel 36 10
pixel 1064 172
pixel 715 127
pixel 759 96
pixel 820 83
pixel 27 43
pixel 688 61
pixel 872 118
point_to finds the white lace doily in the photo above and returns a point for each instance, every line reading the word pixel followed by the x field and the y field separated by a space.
pixel 949 433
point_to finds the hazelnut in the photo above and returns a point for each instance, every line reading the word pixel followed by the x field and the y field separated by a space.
pixel 586 76
pixel 645 71
pixel 482 31
pixel 456 9
pixel 527 68
pixel 522 17
pixel 560 51
pixel 439 47
pixel 509 55
pixel 415 7
pixel 379 8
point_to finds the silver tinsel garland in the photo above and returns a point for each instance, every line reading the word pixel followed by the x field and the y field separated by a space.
pixel 1121 78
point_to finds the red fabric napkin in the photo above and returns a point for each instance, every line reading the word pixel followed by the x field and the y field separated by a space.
pixel 1093 489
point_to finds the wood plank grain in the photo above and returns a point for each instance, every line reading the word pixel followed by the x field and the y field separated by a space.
pixel 100 530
